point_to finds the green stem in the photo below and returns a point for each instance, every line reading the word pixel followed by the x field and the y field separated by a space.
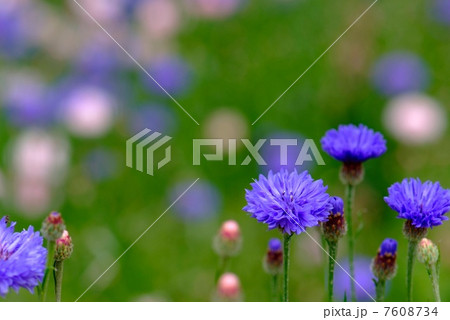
pixel 50 258
pixel 275 296
pixel 432 272
pixel 332 249
pixel 412 244
pixel 223 266
pixel 287 239
pixel 380 289
pixel 58 275
pixel 350 195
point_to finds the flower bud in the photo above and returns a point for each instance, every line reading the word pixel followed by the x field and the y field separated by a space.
pixel 228 241
pixel 228 287
pixel 335 227
pixel 427 252
pixel 352 173
pixel 273 261
pixel 412 233
pixel 53 226
pixel 384 264
pixel 64 247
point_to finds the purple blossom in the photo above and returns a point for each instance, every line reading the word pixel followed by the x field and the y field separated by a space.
pixel 171 73
pixel 400 72
pixel 274 244
pixel 202 201
pixel 353 144
pixel 441 11
pixel 388 246
pixel 155 117
pixel 337 205
pixel 424 204
pixel 291 202
pixel 22 258
pixel 363 277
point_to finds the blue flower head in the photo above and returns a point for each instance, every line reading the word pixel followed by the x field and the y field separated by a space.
pixel 274 244
pixel 424 205
pixel 388 247
pixel 337 205
pixel 22 258
pixel 353 144
pixel 291 202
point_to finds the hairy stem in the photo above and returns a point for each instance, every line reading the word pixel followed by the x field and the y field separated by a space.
pixel 274 287
pixel 50 259
pixel 434 277
pixel 380 289
pixel 332 249
pixel 412 244
pixel 350 195
pixel 58 275
pixel 287 239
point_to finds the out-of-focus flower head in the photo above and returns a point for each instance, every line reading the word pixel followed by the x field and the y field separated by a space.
pixel 202 201
pixel 363 277
pixel 400 72
pixel 384 264
pixel 441 11
pixel 53 226
pixel 22 258
pixel 226 124
pixel 229 287
pixel 273 260
pixel 26 100
pixel 214 9
pixel 290 202
pixel 415 119
pixel 159 19
pixel 155 117
pixel 172 73
pixel 274 156
pixel 104 11
pixel 424 205
pixel 228 240
pixel 88 111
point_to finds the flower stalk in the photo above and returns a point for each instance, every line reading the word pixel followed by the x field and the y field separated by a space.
pixel 412 244
pixel 287 240
pixel 332 250
pixel 58 275
pixel 350 195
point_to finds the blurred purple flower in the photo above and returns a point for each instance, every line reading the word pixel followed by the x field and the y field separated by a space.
pixel 275 244
pixel 27 102
pixel 272 154
pixel 400 72
pixel 155 117
pixel 14 35
pixel 363 277
pixel 172 73
pixel 202 201
pixel 441 11
pixel 97 59
pixel 22 258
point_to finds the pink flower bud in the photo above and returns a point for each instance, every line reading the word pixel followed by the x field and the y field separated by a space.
pixel 230 230
pixel 228 240
pixel 53 226
pixel 64 247
pixel 229 287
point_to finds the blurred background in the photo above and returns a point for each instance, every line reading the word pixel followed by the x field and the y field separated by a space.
pixel 70 98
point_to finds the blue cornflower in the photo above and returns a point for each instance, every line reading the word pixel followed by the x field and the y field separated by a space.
pixel 291 202
pixel 388 247
pixel 335 226
pixel 22 258
pixel 423 205
pixel 337 205
pixel 353 144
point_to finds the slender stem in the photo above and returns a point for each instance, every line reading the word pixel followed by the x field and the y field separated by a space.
pixel 50 258
pixel 432 272
pixel 58 275
pixel 380 289
pixel 275 296
pixel 350 195
pixel 412 244
pixel 287 239
pixel 332 249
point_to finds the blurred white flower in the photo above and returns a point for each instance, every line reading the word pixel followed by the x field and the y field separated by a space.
pixel 88 111
pixel 158 18
pixel 102 10
pixel 40 155
pixel 226 124
pixel 32 196
pixel 415 119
